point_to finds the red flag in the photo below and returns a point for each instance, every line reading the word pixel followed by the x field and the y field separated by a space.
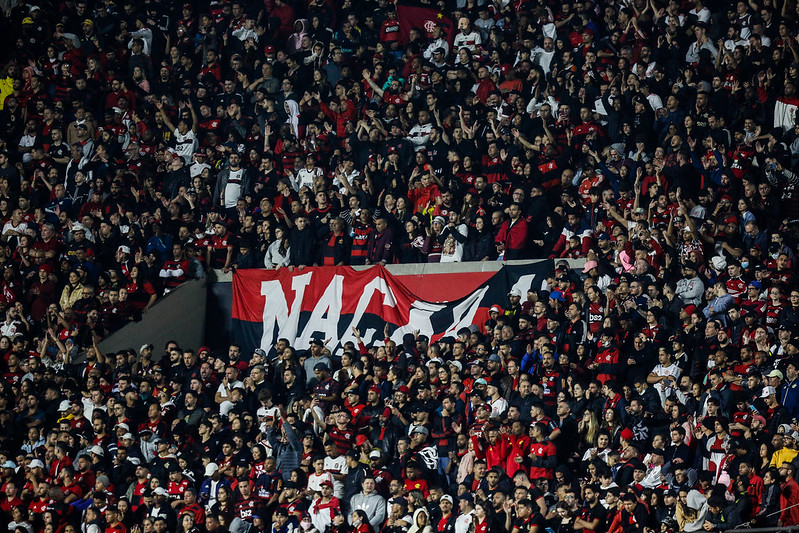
pixel 425 19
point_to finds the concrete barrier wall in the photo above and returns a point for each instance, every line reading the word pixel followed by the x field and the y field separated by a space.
pixel 179 316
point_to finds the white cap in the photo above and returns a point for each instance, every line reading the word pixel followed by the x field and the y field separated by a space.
pixel 124 249
pixel 64 405
pixel 515 292
pixel 448 498
pixel 36 463
pixel 128 436
pixel 124 426
pixel 768 391
pixel 374 454
pixel 210 469
pixel 160 491
pixel 97 450
pixel 10 464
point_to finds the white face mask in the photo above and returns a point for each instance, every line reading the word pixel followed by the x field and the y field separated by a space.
pixel 306 524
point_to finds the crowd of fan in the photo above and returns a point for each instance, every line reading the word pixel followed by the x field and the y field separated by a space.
pixel 144 143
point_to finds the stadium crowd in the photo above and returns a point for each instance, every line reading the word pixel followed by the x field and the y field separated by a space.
pixel 144 143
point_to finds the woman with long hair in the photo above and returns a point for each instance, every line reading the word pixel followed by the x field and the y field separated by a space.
pixel 483 514
pixel 72 291
pixel 434 243
pixel 480 244
pixel 588 428
pixel 277 255
pixel 763 461
pixel 612 424
pixel 141 292
pixel 411 244
pixel 360 522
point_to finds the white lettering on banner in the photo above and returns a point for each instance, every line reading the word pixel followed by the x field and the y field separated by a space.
pixel 378 284
pixel 525 283
pixel 463 313
pixel 326 314
pixel 320 316
pixel 418 318
pixel 276 312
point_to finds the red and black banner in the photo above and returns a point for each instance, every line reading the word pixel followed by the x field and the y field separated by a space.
pixel 425 19
pixel 327 302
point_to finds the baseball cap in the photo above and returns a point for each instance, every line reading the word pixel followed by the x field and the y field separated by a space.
pixel 515 292
pixel 160 491
pixel 448 498
pixel 210 469
pixel 775 374
pixel 768 391
pixel 321 367
pixel 374 454
pixel 420 429
pixel 589 265
pixel 97 450
pixel 36 463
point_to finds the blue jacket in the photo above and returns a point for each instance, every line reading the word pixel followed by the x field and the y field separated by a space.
pixel 205 489
pixel 789 397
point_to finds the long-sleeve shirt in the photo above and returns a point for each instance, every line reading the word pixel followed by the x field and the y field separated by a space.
pixel 690 291
pixel 373 505
pixel 288 454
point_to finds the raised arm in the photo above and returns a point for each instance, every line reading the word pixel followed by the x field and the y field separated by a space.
pixel 164 116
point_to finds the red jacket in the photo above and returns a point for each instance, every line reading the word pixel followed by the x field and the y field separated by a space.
pixel 513 235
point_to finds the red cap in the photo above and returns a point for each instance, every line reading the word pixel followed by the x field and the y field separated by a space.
pixel 627 434
pixel 405 389
pixel 269 49
pixel 690 309
pixel 326 482
pixel 360 439
pixel 375 388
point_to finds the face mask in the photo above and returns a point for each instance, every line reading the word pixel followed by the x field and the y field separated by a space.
pixel 306 525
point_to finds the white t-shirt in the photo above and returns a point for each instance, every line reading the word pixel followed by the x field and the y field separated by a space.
pixel 10 227
pixel 185 145
pixel 337 466
pixel 233 187
pixel 315 482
